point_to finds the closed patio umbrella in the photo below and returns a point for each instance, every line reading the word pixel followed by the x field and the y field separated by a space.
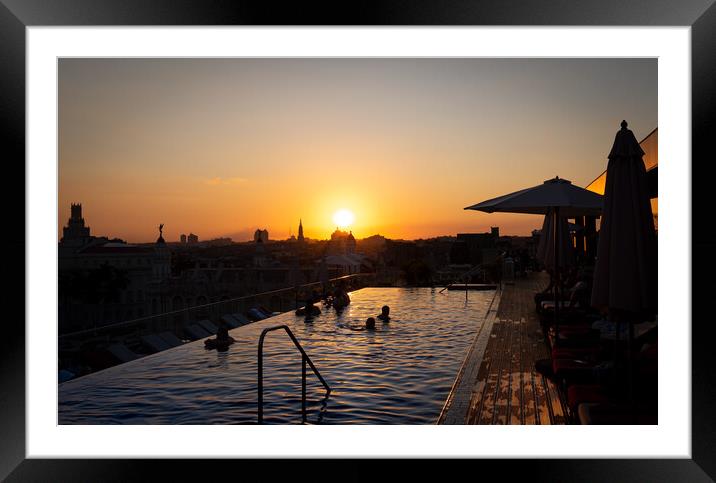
pixel 545 251
pixel 625 273
pixel 556 197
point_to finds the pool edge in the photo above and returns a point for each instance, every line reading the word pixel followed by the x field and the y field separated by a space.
pixel 457 403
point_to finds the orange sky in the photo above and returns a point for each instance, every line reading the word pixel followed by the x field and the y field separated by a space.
pixel 220 147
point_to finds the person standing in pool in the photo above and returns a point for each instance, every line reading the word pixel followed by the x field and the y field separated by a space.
pixel 340 299
pixel 222 342
pixel 385 314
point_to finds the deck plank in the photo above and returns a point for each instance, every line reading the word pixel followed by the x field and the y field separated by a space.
pixel 507 389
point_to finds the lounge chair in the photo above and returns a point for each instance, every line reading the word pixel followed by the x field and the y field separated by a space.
pixel 171 339
pixel 255 314
pixel 230 321
pixel 243 320
pixel 196 332
pixel 155 343
pixel 607 413
pixel 208 326
pixel 121 352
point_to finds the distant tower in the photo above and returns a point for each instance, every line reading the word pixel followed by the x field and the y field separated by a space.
pixel 261 235
pixel 160 240
pixel 351 243
pixel 76 224
pixel 300 230
pixel 182 239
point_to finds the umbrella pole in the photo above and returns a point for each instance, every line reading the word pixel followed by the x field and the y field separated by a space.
pixel 557 291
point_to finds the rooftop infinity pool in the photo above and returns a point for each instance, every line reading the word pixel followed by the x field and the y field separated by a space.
pixel 400 373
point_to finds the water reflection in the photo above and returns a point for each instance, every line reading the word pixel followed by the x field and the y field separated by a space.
pixel 400 373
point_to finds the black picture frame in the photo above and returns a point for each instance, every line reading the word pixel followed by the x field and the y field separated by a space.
pixel 16 15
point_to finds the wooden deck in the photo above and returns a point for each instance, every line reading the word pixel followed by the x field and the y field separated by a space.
pixel 506 389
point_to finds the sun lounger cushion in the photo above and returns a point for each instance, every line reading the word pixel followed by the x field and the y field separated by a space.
pixel 171 339
pixel 210 327
pixel 585 393
pixel 243 320
pixel 196 332
pixel 230 321
pixel 256 314
pixel 155 343
pixel 121 352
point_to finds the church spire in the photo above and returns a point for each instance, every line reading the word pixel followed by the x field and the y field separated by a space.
pixel 300 230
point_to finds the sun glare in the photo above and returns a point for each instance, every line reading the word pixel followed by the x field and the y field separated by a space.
pixel 343 218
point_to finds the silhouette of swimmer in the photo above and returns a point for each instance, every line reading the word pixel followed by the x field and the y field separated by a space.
pixel 384 314
pixel 340 299
pixel 369 325
pixel 222 342
pixel 309 310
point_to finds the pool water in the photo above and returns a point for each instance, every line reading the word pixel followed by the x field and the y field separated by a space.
pixel 400 373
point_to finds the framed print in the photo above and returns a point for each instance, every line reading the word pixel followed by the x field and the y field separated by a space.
pixel 303 235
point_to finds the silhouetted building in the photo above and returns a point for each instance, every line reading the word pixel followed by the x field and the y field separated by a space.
pixel 192 239
pixel 220 242
pixel 262 235
pixel 475 248
pixel 339 242
pixel 106 281
pixel 350 243
pixel 75 229
pixel 300 231
pixel 182 239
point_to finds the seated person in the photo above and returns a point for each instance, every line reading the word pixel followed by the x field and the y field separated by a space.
pixel 309 310
pixel 222 342
pixel 384 314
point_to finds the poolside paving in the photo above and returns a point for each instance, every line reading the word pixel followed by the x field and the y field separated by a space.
pixel 498 383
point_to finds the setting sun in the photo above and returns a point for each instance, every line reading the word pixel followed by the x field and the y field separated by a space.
pixel 343 218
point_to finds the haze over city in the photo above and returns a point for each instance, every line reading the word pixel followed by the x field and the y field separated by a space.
pixel 221 147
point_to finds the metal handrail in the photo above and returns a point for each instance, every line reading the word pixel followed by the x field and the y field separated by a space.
pixel 474 269
pixel 304 359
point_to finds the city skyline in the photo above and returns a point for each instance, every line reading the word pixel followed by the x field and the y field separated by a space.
pixel 221 147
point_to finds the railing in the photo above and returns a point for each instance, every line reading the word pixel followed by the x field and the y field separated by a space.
pixel 83 350
pixel 215 309
pixel 472 271
pixel 304 360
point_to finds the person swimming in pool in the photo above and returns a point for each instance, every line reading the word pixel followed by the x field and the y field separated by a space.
pixel 222 342
pixel 385 314
pixel 369 325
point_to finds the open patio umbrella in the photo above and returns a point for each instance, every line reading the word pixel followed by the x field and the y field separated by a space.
pixel 625 273
pixel 556 197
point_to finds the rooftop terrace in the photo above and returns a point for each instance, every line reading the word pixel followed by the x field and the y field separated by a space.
pixel 498 383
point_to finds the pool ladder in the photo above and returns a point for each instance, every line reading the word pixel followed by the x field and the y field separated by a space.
pixel 476 269
pixel 304 359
